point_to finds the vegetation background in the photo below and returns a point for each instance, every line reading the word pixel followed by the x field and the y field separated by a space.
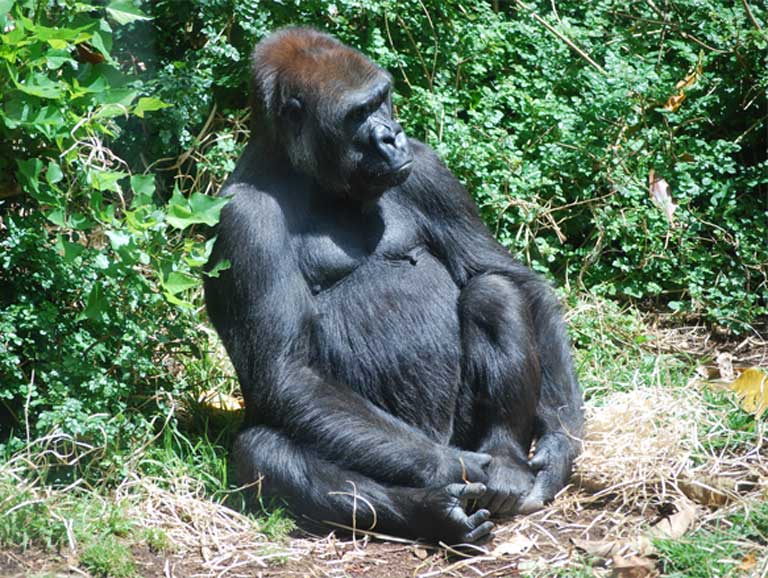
pixel 619 148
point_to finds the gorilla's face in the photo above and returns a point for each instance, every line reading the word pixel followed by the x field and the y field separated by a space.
pixel 349 142
pixel 377 143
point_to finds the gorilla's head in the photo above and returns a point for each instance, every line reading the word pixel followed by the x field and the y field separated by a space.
pixel 329 109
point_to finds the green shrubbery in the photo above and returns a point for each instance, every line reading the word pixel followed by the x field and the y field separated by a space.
pixel 95 273
pixel 106 113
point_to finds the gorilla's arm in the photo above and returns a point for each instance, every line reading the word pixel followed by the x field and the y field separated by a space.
pixel 457 234
pixel 263 311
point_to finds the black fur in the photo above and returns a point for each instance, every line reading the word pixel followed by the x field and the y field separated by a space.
pixel 388 348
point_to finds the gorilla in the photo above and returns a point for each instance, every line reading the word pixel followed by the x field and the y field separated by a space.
pixel 401 372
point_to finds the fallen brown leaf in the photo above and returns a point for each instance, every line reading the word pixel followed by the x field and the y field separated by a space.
pixel 724 363
pixel 677 524
pixel 633 567
pixel 610 548
pixel 420 553
pixel 220 401
pixel 749 562
pixel 518 544
pixel 711 492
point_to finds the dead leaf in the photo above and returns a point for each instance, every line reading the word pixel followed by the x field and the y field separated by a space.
pixel 518 544
pixel 633 567
pixel 610 548
pixel 88 53
pixel 220 401
pixel 690 79
pixel 674 101
pixel 752 388
pixel 707 491
pixel 659 189
pixel 724 363
pixel 599 548
pixel 420 553
pixel 677 524
pixel 749 562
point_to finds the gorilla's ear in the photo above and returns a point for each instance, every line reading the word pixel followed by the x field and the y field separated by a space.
pixel 292 111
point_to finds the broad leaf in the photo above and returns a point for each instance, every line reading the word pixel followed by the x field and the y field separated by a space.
pixel 125 12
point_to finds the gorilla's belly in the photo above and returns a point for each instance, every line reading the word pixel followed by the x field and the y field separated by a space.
pixel 393 325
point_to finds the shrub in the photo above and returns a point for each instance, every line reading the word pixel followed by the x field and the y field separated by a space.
pixel 96 273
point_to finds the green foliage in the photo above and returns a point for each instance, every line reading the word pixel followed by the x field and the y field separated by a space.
pixel 107 557
pixel 558 152
pixel 98 272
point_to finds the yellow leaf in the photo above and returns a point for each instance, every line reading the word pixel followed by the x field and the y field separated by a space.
pixel 752 388
pixel 749 562
pixel 674 101
pixel 220 401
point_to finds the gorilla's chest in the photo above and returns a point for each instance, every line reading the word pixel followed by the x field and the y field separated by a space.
pixel 385 313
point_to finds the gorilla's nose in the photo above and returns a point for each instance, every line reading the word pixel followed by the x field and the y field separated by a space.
pixel 392 144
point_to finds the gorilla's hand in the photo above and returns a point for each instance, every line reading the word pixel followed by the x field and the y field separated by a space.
pixel 552 463
pixel 456 466
pixel 441 515
pixel 508 482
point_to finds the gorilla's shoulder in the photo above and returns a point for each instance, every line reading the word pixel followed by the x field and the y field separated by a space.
pixel 251 210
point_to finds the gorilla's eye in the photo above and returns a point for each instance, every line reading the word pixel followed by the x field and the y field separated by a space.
pixel 292 110
pixel 358 113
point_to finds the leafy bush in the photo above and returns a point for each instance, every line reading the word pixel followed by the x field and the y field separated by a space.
pixel 96 275
pixel 557 151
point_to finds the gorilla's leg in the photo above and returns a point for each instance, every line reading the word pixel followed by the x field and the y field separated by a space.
pixel 327 495
pixel 501 384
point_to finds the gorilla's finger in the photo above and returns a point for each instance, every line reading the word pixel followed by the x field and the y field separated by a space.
pixel 482 533
pixel 466 491
pixel 539 460
pixel 478 518
pixel 543 491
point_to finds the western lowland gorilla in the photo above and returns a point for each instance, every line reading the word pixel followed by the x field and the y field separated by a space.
pixel 397 364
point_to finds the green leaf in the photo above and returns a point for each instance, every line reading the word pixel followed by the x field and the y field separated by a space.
pixel 176 282
pixel 6 5
pixel 107 180
pixel 96 306
pixel 149 104
pixel 143 184
pixel 199 208
pixel 222 265
pixel 69 251
pixel 38 84
pixel 53 173
pixel 124 12
pixel 57 217
pixel 29 173
pixel 207 208
pixel 118 239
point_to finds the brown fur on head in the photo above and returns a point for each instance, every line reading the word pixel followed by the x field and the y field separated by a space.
pixel 306 62
pixel 319 78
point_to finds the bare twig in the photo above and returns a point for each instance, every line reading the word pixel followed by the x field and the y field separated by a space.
pixel 561 36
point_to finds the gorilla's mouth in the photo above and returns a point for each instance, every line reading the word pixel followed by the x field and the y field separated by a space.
pixel 406 166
